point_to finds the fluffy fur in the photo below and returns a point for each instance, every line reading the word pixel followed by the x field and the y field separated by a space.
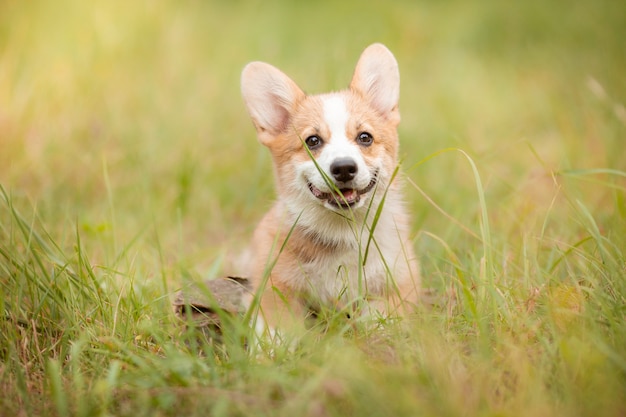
pixel 334 159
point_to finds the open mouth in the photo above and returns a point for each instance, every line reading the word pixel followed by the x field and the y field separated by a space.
pixel 346 197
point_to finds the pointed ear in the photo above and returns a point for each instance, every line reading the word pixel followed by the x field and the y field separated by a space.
pixel 270 97
pixel 377 77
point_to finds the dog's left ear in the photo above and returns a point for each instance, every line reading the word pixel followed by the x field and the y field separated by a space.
pixel 377 77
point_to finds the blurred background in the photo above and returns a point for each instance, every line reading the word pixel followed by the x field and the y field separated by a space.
pixel 124 121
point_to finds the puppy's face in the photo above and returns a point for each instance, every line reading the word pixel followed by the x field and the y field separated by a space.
pixel 353 152
pixel 330 150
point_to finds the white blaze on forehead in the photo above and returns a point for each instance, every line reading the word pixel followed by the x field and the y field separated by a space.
pixel 336 116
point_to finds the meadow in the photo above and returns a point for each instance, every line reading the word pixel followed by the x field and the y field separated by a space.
pixel 129 169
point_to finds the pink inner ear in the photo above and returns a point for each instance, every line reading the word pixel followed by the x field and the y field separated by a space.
pixel 283 115
pixel 377 77
pixel 270 97
pixel 273 117
pixel 268 111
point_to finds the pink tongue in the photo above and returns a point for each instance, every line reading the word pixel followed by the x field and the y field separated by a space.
pixel 349 194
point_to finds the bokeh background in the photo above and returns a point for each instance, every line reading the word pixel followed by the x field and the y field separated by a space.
pixel 127 117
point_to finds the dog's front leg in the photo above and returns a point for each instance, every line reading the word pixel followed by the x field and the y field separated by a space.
pixel 280 318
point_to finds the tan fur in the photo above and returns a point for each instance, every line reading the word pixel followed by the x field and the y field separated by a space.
pixel 305 254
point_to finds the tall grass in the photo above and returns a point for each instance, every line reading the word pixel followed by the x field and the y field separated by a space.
pixel 129 170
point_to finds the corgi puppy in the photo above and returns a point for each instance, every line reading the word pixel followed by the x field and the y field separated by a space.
pixel 337 236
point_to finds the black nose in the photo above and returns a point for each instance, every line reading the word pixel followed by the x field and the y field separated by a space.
pixel 343 169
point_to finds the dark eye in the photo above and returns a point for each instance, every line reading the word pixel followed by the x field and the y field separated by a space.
pixel 313 142
pixel 365 139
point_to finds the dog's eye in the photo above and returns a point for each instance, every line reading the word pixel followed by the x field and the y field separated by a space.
pixel 365 139
pixel 313 142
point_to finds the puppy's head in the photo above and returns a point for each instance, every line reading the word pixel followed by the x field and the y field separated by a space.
pixel 331 150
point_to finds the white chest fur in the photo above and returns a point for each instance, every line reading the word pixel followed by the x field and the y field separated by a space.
pixel 343 277
pixel 360 268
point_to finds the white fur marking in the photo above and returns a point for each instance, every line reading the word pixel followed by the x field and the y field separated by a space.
pixel 336 116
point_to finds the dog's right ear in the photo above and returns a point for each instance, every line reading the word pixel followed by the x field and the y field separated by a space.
pixel 270 97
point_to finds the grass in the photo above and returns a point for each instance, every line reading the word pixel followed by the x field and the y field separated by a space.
pixel 129 169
